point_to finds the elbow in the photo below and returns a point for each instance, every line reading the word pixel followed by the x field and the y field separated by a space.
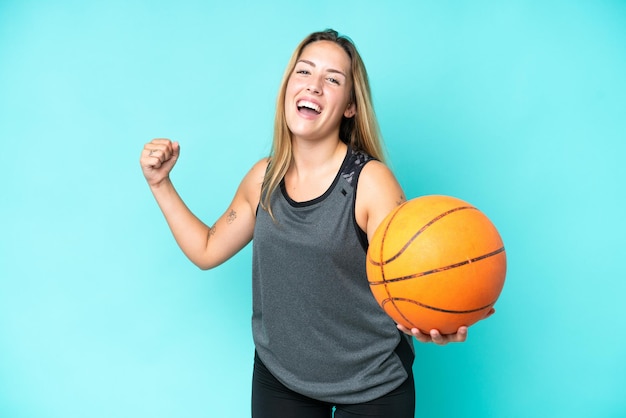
pixel 204 266
pixel 207 259
pixel 207 264
pixel 202 260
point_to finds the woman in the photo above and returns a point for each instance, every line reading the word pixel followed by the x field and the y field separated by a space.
pixel 322 341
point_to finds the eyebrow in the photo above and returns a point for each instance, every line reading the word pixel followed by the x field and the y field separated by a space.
pixel 330 70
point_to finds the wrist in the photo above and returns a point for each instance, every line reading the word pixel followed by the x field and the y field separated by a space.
pixel 163 183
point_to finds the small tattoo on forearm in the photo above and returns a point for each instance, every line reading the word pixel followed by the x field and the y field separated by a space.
pixel 231 216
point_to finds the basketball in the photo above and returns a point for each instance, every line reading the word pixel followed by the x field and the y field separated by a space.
pixel 436 262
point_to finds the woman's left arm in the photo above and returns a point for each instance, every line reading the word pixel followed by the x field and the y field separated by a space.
pixel 378 193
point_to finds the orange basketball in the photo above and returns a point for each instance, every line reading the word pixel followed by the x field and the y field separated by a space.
pixel 436 262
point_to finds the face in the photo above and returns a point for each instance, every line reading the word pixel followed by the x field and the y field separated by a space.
pixel 318 92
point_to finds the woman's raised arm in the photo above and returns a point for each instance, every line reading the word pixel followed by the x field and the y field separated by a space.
pixel 205 246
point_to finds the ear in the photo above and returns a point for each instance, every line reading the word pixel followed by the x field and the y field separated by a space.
pixel 350 111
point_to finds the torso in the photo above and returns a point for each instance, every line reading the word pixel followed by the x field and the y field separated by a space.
pixel 315 322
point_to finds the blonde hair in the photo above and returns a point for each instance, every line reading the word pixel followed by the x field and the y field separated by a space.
pixel 361 131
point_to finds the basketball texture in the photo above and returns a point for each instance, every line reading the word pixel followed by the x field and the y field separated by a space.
pixel 436 262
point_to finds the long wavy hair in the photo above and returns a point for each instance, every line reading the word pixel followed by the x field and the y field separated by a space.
pixel 361 131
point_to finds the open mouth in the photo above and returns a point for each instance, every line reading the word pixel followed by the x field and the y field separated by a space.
pixel 307 107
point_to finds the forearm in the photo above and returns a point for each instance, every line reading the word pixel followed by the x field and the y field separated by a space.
pixel 190 233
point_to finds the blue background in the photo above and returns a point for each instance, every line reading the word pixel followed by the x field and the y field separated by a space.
pixel 517 107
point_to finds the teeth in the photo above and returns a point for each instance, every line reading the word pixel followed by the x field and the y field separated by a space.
pixel 310 105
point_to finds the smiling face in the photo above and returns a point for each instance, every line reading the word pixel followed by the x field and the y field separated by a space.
pixel 318 92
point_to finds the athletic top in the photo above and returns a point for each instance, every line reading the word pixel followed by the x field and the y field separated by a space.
pixel 315 323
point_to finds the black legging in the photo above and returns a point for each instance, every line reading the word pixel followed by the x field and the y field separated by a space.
pixel 271 399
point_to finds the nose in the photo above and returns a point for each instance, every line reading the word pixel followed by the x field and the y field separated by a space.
pixel 314 85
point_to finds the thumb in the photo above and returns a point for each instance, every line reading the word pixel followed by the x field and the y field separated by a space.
pixel 175 149
pixel 491 312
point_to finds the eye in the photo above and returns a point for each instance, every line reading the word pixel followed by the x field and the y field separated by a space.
pixel 333 80
pixel 303 72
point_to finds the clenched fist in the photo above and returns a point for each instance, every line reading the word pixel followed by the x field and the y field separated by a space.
pixel 157 160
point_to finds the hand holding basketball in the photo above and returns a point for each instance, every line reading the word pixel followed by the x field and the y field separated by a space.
pixel 437 337
pixel 436 265
pixel 157 159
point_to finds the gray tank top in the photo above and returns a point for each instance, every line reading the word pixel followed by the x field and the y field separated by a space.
pixel 316 326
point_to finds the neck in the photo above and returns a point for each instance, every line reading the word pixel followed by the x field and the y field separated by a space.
pixel 313 156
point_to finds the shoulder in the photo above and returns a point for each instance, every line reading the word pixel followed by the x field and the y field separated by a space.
pixel 376 177
pixel 259 168
pixel 250 187
pixel 257 172
pixel 378 193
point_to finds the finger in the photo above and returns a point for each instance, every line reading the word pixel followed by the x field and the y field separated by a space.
pixel 162 144
pixel 160 152
pixel 152 157
pixel 404 329
pixel 437 338
pixel 461 335
pixel 420 336
pixel 161 141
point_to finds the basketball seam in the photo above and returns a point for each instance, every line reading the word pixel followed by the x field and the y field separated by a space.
pixel 439 269
pixel 433 308
pixel 410 240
